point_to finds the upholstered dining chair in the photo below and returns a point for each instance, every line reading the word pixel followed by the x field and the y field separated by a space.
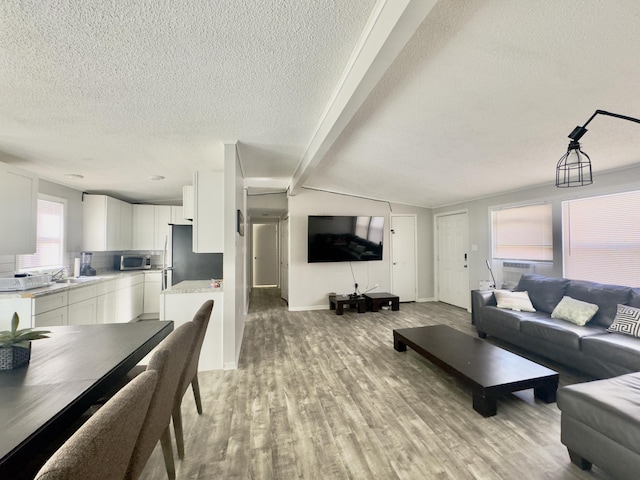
pixel 101 449
pixel 190 373
pixel 168 361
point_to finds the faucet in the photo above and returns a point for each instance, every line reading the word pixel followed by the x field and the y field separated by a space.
pixel 59 272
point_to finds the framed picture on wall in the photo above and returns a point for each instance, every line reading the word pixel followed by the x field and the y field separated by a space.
pixel 240 223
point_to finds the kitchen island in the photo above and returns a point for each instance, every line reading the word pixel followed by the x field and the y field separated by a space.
pixel 181 302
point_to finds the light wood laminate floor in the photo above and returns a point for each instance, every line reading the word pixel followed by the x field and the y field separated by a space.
pixel 322 396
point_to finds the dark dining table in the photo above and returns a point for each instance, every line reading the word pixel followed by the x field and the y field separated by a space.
pixel 67 374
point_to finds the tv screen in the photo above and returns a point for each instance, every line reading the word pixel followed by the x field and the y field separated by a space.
pixel 345 238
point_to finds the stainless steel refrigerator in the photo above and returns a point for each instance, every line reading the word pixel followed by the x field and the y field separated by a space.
pixel 187 265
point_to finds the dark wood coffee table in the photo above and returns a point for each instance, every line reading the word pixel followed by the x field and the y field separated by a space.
pixel 375 300
pixel 337 303
pixel 490 370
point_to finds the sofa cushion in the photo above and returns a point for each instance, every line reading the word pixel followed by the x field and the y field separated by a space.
pixel 634 298
pixel 609 406
pixel 518 301
pixel 574 311
pixel 545 292
pixel 623 350
pixel 558 332
pixel 607 297
pixel 627 321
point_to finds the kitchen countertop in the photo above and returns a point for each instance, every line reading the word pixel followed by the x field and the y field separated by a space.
pixel 59 287
pixel 192 286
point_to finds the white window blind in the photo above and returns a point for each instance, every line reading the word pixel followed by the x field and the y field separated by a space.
pixel 523 233
pixel 49 238
pixel 601 239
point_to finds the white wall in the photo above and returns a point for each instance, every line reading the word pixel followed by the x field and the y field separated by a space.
pixel 309 284
pixel 234 262
pixel 479 214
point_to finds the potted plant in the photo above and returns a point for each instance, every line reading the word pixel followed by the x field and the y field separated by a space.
pixel 15 345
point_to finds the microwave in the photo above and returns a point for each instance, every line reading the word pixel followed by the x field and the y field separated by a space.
pixel 132 262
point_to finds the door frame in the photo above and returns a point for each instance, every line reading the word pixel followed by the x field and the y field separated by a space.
pixel 415 249
pixel 436 252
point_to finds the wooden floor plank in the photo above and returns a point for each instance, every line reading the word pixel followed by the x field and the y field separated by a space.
pixel 318 395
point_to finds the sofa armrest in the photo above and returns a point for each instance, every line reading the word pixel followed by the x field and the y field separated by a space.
pixel 479 300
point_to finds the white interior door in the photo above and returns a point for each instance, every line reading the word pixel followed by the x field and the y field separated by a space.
pixel 403 257
pixel 265 254
pixel 453 271
pixel 284 259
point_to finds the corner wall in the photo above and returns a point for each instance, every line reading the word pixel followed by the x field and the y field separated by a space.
pixel 309 284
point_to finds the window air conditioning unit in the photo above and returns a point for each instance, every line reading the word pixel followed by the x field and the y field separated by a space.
pixel 512 271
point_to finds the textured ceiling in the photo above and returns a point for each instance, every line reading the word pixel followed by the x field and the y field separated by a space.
pixel 479 101
pixel 119 91
pixel 482 98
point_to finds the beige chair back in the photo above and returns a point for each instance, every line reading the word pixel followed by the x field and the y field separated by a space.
pixel 102 447
pixel 190 373
pixel 168 361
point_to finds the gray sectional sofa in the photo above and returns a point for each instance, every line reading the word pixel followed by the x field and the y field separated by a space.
pixel 600 420
pixel 590 348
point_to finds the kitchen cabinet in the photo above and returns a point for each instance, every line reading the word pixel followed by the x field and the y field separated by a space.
pixel 208 212
pixel 188 199
pixel 51 318
pixel 83 306
pixel 143 227
pixel 151 226
pixel 177 216
pixel 152 288
pixel 18 210
pixel 106 223
pixel 120 300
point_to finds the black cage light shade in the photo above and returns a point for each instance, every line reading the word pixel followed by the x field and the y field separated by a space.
pixel 574 167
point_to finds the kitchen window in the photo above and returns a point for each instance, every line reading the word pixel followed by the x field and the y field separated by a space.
pixel 50 238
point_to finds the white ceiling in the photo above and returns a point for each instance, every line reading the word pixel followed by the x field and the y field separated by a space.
pixel 479 100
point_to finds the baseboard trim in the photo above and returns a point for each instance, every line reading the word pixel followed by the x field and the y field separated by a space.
pixel 429 299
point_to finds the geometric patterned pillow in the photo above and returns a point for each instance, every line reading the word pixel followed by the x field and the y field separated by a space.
pixel 627 321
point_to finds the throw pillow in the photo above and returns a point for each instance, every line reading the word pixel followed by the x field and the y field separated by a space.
pixel 518 301
pixel 574 311
pixel 627 321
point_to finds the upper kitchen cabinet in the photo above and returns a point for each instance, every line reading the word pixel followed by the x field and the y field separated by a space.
pixel 188 198
pixel 18 210
pixel 151 226
pixel 178 216
pixel 208 212
pixel 106 223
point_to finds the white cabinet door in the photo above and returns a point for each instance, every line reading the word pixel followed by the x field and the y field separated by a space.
pixel 208 212
pixel 178 216
pixel 108 308
pixel 51 318
pixel 84 312
pixel 188 200
pixel 152 283
pixel 143 227
pixel 18 210
pixel 162 230
pixel 106 223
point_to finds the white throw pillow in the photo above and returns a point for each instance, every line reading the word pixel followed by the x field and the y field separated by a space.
pixel 518 301
pixel 574 311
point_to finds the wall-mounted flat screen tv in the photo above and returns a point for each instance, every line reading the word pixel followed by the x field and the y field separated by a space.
pixel 345 238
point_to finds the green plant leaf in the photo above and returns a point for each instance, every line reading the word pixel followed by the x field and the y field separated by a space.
pixel 15 320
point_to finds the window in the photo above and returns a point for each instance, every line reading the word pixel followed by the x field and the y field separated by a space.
pixel 601 238
pixel 50 241
pixel 523 233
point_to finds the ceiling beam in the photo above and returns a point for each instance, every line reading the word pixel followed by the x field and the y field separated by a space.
pixel 389 28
